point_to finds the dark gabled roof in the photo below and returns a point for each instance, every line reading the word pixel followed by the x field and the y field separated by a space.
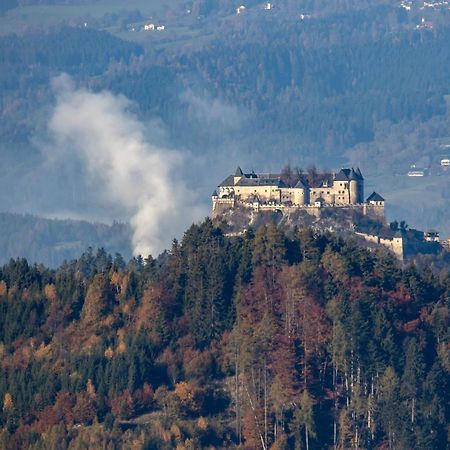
pixel 214 194
pixel 374 197
pixel 349 174
pixel 239 172
pixel 229 181
pixel 343 175
pixel 319 199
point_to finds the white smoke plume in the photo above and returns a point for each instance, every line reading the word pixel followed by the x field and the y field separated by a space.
pixel 140 178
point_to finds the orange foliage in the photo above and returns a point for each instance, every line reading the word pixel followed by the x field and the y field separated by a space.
pixel 50 292
pixel 3 288
pixel 98 300
pixel 188 395
pixel 8 403
pixel 109 352
pixel 149 308
pixel 116 279
pixel 121 347
pixel 202 423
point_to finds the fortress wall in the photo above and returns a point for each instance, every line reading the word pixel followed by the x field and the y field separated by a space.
pixel 395 244
pixel 376 211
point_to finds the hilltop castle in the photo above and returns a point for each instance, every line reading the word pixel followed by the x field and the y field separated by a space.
pixel 310 191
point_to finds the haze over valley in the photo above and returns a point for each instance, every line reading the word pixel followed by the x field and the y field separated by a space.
pixel 328 84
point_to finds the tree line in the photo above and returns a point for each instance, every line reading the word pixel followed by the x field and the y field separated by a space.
pixel 275 340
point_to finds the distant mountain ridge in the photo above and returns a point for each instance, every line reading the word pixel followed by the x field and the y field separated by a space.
pixel 52 241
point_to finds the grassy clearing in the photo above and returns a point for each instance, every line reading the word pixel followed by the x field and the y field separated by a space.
pixel 47 15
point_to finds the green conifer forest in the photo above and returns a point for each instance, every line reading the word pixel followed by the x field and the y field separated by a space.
pixel 271 340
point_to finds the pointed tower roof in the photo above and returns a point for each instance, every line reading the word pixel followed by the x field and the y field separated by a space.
pixel 239 172
pixel 214 194
pixel 342 175
pixel 375 197
pixel 359 174
pixel 353 175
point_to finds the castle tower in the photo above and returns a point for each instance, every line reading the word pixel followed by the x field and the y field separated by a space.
pixel 374 205
pixel 353 187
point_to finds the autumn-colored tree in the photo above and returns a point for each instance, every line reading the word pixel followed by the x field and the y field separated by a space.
pixel 123 405
pixel 144 398
pixel 84 411
pixel 99 300
pixel 3 289
pixel 189 396
pixel 64 407
pixel 8 403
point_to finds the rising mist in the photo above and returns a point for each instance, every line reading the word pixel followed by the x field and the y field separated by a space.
pixel 129 172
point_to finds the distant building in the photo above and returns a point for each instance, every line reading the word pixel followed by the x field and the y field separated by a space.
pixel 268 6
pixel 149 27
pixel 416 173
pixel 160 28
pixel 272 191
pixel 424 24
pixel 431 236
pixel 240 9
pixel 375 199
pixel 445 162
pixel 406 5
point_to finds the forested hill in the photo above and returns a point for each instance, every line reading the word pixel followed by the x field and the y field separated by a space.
pixel 52 241
pixel 263 341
